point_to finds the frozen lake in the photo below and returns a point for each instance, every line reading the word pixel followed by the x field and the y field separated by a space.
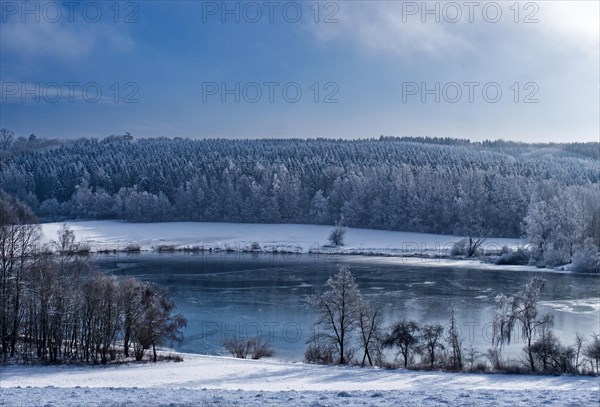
pixel 241 293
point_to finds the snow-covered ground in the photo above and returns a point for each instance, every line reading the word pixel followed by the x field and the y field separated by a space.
pixel 422 247
pixel 219 381
pixel 109 234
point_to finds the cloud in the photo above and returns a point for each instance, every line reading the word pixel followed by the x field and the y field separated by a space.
pixel 572 24
pixel 383 27
pixel 61 40
pixel 396 28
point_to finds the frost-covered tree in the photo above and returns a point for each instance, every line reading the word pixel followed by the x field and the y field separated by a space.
pixel 338 234
pixel 473 222
pixel 558 226
pixel 337 313
pixel 6 138
pixel 521 312
pixel 586 257
pixel 419 185
pixel 319 208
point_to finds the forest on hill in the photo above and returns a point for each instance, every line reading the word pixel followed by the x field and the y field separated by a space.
pixel 434 185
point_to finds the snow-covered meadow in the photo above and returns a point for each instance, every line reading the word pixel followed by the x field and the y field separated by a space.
pixel 220 381
pixel 114 234
pixel 415 247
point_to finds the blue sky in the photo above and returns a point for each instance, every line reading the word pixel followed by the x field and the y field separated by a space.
pixel 181 65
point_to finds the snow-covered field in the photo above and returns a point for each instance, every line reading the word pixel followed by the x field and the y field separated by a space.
pixel 219 381
pixel 115 235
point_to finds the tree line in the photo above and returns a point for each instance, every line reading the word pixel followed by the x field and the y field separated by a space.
pixel 547 192
pixel 349 330
pixel 59 308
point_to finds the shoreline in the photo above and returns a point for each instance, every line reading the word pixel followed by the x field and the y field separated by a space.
pixel 287 240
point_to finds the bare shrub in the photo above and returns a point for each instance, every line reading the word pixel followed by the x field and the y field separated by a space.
pixel 260 348
pixel 319 352
pixel 170 357
pixel 242 347
pixel 132 248
pixel 459 248
pixel 238 346
pixel 166 248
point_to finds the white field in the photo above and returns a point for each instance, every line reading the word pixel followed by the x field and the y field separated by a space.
pixel 220 381
pixel 421 247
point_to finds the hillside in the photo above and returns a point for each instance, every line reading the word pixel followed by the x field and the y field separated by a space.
pixel 419 185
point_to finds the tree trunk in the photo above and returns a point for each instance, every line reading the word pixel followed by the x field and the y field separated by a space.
pixel 126 343
pixel 342 360
pixel 531 362
pixel 367 356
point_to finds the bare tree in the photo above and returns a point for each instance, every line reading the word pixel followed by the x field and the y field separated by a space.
pixel 592 351
pixel 131 291
pixel 545 348
pixel 369 324
pixel 455 342
pixel 404 336
pixel 431 340
pixel 521 310
pixel 19 240
pixel 158 324
pixel 472 355
pixel 58 308
pixel 336 310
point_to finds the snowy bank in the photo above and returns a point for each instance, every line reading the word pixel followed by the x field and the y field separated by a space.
pixel 236 236
pixel 227 381
pixel 421 248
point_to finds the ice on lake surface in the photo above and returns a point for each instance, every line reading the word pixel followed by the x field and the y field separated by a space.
pixel 247 294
